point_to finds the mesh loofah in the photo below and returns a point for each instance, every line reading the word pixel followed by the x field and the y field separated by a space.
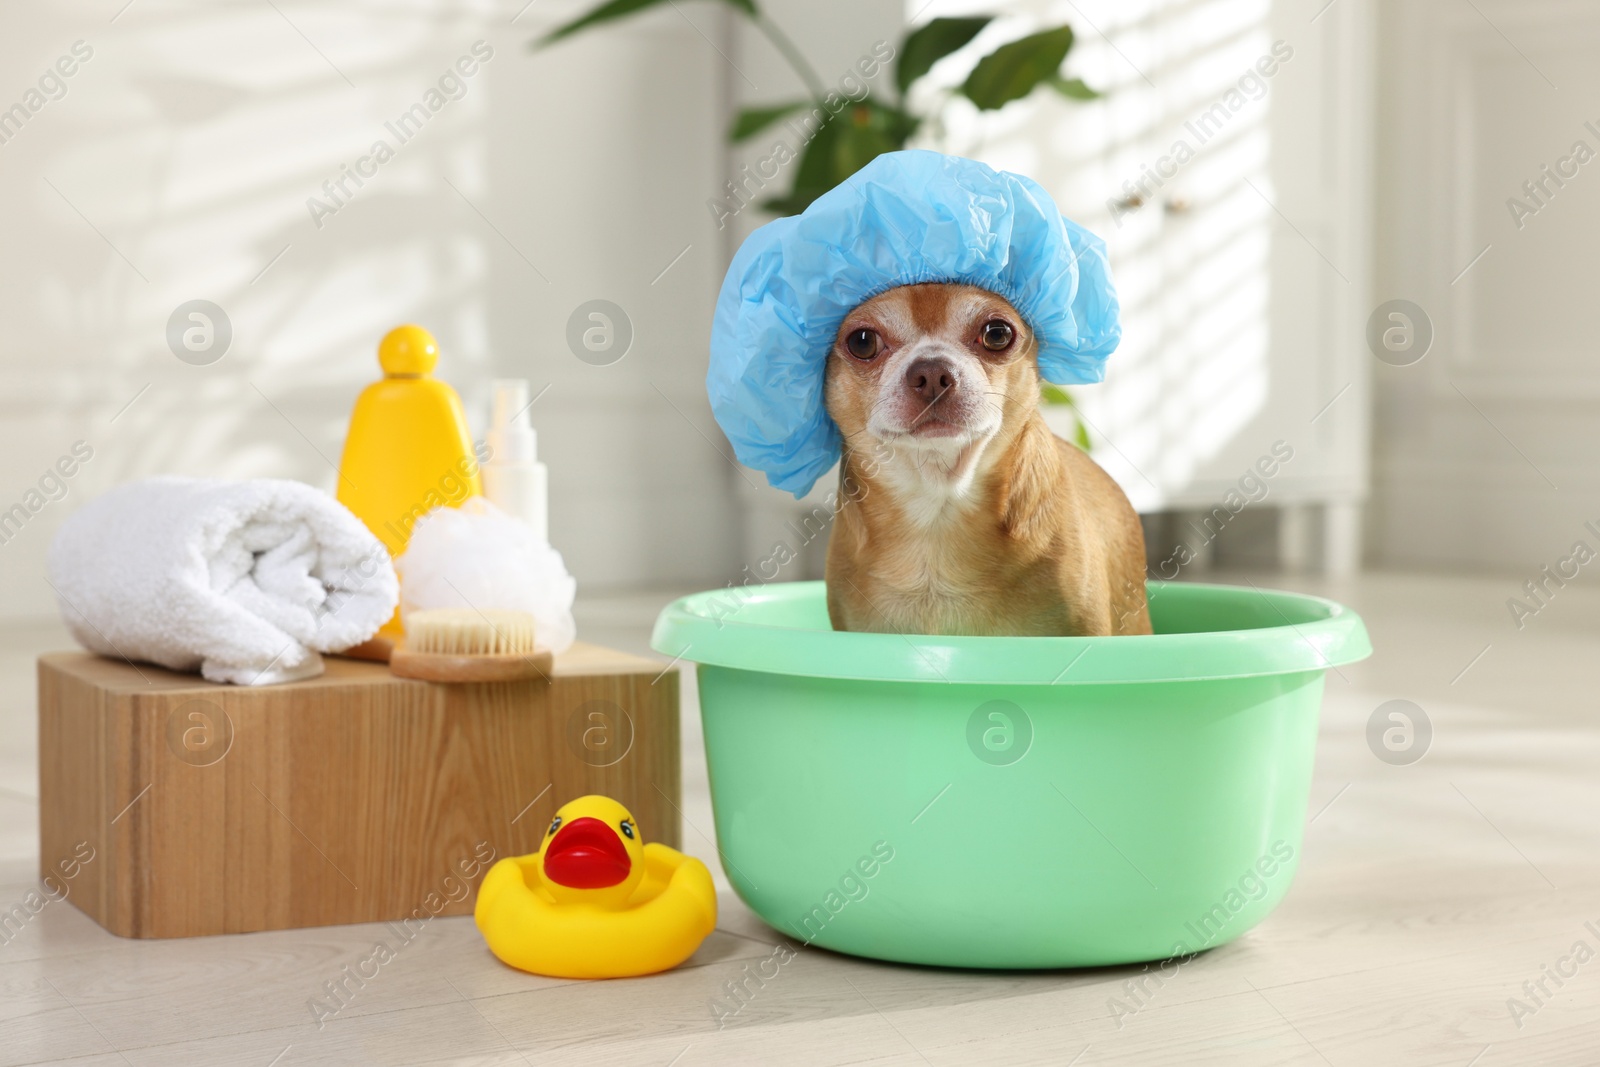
pixel 476 556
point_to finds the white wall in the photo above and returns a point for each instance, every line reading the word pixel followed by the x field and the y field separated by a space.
pixel 1487 456
pixel 178 165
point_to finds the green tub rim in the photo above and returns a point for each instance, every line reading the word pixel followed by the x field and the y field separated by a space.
pixel 774 628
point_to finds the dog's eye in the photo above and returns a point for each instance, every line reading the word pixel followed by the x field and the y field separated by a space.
pixel 996 335
pixel 863 344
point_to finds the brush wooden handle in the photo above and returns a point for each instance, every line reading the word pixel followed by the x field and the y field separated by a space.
pixel 377 649
pixel 443 667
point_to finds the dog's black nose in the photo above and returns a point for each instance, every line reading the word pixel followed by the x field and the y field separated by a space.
pixel 930 379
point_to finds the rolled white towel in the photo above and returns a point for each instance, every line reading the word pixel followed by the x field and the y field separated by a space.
pixel 246 581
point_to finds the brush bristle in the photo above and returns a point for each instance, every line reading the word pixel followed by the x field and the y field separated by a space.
pixel 468 632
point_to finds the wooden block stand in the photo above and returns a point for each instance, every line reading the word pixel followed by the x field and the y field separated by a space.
pixel 353 797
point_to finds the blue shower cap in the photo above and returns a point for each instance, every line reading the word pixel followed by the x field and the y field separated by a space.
pixel 904 218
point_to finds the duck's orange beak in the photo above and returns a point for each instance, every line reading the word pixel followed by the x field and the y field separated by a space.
pixel 586 854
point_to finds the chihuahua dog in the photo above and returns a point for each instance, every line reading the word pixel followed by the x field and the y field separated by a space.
pixel 963 513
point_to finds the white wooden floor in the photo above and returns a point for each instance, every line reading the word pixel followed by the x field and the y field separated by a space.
pixel 1428 895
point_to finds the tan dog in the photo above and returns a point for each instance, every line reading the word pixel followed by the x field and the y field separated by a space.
pixel 963 513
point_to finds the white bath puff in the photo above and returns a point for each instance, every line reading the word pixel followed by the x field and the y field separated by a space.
pixel 477 556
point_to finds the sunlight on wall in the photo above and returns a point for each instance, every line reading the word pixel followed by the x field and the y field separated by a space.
pixel 1191 262
pixel 178 166
pixel 208 130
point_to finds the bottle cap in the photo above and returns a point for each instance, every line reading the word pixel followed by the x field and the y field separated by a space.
pixel 511 435
pixel 510 402
pixel 408 351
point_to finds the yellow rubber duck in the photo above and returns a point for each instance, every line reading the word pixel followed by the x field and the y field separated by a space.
pixel 596 901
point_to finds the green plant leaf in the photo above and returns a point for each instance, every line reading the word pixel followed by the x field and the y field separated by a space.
pixel 789 204
pixel 843 145
pixel 617 9
pixel 928 44
pixel 1051 393
pixel 866 131
pixel 1014 70
pixel 752 120
pixel 812 173
pixel 1072 88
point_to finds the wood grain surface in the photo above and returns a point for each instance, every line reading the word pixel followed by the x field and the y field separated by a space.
pixel 356 796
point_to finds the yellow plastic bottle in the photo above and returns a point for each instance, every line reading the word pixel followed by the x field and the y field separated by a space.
pixel 408 450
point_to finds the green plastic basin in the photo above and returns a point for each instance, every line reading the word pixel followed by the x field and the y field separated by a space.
pixel 1012 802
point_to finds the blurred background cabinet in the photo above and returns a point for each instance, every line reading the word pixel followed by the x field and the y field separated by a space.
pixel 1489 456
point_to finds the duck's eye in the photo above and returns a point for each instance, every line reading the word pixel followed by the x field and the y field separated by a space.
pixel 627 829
pixel 862 344
pixel 996 335
pixel 554 827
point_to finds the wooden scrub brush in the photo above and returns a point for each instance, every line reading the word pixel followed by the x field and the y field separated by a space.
pixel 467 645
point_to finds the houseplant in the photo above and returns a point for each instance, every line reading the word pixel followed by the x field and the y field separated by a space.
pixel 853 132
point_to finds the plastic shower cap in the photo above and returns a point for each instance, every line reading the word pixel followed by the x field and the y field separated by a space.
pixel 904 218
